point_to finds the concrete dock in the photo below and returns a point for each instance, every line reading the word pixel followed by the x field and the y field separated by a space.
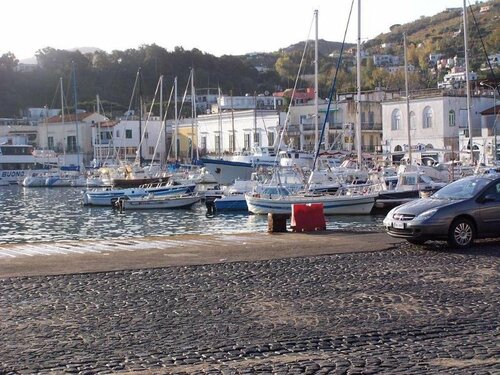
pixel 315 303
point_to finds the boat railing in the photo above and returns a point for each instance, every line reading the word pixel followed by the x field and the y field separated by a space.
pixel 155 185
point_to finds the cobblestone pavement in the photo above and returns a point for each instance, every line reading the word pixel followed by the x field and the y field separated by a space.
pixel 405 310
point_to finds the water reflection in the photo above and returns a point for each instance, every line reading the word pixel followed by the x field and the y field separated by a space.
pixel 48 214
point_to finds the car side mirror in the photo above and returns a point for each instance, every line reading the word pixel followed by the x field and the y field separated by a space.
pixel 489 198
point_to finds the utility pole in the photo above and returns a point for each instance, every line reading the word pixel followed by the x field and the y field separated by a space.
pixel 408 124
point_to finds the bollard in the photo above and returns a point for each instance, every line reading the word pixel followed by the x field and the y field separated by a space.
pixel 210 205
pixel 276 222
pixel 308 217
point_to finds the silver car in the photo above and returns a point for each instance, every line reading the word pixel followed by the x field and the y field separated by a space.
pixel 458 213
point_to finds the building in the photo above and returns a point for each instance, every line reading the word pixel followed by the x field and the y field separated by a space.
pixel 130 140
pixel 70 136
pixel 237 131
pixel 456 79
pixel 438 126
pixel 238 103
pixel 26 129
pixel 386 60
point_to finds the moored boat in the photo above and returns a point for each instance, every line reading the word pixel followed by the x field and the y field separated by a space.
pixel 151 201
pixel 108 196
pixel 279 201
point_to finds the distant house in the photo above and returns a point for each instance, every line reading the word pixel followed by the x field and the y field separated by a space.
pixel 300 96
pixel 24 67
pixel 434 58
pixel 385 60
pixel 456 80
pixel 70 136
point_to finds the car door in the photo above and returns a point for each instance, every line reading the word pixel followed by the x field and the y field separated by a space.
pixel 489 211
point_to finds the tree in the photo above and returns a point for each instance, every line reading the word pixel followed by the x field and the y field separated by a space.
pixel 8 61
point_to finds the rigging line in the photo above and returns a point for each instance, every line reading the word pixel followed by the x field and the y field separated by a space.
pixel 333 89
pixel 172 138
pixel 484 48
pixel 162 128
pixel 287 117
pixel 52 105
pixel 117 149
pixel 185 93
pixel 143 135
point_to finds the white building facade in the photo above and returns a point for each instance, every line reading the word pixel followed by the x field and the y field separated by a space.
pixel 129 140
pixel 217 133
pixel 438 127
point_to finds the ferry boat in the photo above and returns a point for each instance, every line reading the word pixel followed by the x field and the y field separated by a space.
pixel 19 160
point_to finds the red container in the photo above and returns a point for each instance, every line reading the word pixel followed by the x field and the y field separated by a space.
pixel 307 217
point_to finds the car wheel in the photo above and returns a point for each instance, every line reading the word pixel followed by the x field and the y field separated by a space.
pixel 415 241
pixel 461 234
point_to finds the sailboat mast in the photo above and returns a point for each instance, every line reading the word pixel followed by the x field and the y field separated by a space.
pixel 98 154
pixel 140 118
pixel 219 117
pixel 176 151
pixel 358 73
pixel 316 110
pixel 469 119
pixel 62 120
pixel 408 125
pixel 232 122
pixel 193 112
pixel 76 117
pixel 161 117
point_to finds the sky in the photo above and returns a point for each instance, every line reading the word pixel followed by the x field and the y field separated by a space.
pixel 218 27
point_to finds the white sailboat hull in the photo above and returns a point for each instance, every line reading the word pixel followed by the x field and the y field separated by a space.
pixel 332 204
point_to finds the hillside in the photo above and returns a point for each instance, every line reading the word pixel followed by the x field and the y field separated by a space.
pixel 112 74
pixel 443 33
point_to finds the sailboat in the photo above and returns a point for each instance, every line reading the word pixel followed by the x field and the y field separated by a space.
pixel 279 200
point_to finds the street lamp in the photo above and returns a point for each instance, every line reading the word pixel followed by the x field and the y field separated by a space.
pixel 494 89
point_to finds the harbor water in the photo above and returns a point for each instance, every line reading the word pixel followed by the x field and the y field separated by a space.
pixel 55 214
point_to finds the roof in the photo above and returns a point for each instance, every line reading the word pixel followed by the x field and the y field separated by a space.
pixel 68 118
pixel 491 111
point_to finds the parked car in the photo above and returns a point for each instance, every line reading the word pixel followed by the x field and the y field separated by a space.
pixel 460 212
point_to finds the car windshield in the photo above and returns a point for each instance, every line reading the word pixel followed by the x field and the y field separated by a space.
pixel 461 189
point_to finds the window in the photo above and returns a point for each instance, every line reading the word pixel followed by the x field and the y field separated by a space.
pixel 398 148
pixel 270 138
pixel 396 120
pixel 128 133
pixel 371 118
pixel 413 120
pixel 117 134
pixel 151 150
pixel 231 142
pixel 451 118
pixel 71 143
pixel 204 143
pixel 246 143
pixel 217 144
pixel 146 135
pixel 427 118
pixel 256 138
pixel 50 143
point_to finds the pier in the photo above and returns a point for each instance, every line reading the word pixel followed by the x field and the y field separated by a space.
pixel 319 302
